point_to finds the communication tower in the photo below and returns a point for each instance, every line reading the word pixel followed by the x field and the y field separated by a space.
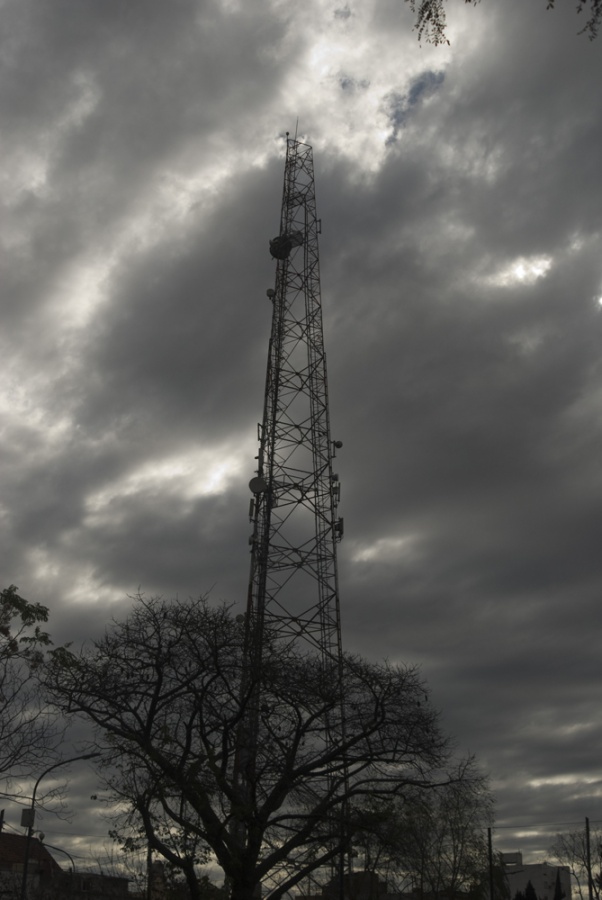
pixel 293 584
pixel 293 595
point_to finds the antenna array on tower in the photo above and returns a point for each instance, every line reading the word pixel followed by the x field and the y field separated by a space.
pixel 293 585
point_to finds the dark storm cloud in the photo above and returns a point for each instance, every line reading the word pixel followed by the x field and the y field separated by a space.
pixel 461 267
pixel 98 100
pixel 182 316
pixel 123 387
pixel 163 364
pixel 470 474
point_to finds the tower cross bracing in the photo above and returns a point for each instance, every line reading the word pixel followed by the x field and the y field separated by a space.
pixel 293 584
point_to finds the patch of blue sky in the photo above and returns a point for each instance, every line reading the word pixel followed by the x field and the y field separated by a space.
pixel 400 106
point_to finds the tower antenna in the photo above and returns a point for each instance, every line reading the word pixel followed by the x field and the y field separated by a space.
pixel 293 584
pixel 293 593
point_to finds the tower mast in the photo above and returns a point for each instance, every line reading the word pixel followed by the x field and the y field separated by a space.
pixel 293 583
pixel 293 596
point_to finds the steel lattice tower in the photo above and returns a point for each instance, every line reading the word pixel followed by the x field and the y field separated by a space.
pixel 293 593
pixel 293 584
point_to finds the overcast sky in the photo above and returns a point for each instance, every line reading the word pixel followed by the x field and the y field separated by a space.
pixel 460 194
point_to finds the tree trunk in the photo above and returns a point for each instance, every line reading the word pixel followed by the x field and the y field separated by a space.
pixel 192 882
pixel 245 891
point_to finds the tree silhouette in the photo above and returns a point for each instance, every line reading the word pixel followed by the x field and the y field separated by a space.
pixel 29 734
pixel 167 690
pixel 431 20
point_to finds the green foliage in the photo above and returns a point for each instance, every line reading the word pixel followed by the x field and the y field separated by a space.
pixel 28 731
pixel 431 21
pixel 595 15
pixel 17 618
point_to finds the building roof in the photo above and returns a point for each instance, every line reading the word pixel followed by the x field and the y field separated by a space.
pixel 12 852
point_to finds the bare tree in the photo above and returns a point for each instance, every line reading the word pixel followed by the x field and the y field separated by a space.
pixel 431 20
pixel 29 733
pixel 570 849
pixel 167 691
pixel 433 843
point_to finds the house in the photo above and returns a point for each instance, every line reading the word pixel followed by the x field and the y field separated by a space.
pixel 361 885
pixel 46 880
pixel 41 869
pixel 89 886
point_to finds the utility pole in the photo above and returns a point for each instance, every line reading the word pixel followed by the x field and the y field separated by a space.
pixel 28 814
pixel 490 861
pixel 588 852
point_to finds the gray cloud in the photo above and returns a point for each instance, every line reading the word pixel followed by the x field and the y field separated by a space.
pixel 461 270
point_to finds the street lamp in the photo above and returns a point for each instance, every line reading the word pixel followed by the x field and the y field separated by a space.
pixel 66 852
pixel 60 850
pixel 32 812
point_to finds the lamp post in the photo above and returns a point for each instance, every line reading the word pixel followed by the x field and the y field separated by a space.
pixel 32 811
pixel 66 852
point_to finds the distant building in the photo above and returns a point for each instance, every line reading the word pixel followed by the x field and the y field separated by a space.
pixel 158 885
pixel 41 869
pixel 549 882
pixel 360 885
pixel 88 886
pixel 46 880
pixel 364 885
